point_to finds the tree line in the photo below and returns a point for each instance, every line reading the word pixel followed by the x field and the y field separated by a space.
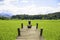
pixel 49 16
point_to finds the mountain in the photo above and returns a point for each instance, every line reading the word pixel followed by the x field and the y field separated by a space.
pixel 5 14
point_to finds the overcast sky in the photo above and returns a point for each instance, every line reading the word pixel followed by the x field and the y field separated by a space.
pixel 30 7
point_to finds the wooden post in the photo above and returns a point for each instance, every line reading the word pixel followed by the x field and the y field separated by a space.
pixel 21 25
pixel 18 31
pixel 29 22
pixel 36 25
pixel 41 32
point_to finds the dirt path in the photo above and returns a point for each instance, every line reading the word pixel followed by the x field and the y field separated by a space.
pixel 29 34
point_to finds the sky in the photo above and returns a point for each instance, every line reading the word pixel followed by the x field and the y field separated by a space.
pixel 30 7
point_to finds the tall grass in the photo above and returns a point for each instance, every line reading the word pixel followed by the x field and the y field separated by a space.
pixel 51 28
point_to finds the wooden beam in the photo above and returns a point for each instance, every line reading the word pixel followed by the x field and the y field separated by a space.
pixel 29 22
pixel 41 32
pixel 36 25
pixel 19 32
pixel 21 25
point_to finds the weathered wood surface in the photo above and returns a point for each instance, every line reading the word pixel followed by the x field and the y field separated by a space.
pixel 29 34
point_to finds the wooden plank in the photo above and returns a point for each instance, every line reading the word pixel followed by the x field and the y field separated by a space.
pixel 29 34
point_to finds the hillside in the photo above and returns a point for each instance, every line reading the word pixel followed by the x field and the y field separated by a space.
pixel 5 15
pixel 49 16
pixel 55 15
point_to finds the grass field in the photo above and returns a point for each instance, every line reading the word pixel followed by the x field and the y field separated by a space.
pixel 8 28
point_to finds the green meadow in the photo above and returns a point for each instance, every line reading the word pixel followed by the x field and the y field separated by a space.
pixel 51 28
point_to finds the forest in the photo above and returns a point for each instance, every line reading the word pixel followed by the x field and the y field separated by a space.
pixel 48 16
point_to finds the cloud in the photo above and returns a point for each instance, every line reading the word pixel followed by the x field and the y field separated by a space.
pixel 24 1
pixel 58 4
pixel 33 10
pixel 29 9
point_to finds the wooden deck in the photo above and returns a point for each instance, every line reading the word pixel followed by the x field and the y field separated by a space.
pixel 29 34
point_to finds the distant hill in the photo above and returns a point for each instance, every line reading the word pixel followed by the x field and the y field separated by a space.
pixel 5 14
pixel 55 15
pixel 49 16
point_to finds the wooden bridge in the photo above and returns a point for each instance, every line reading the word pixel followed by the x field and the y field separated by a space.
pixel 29 32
